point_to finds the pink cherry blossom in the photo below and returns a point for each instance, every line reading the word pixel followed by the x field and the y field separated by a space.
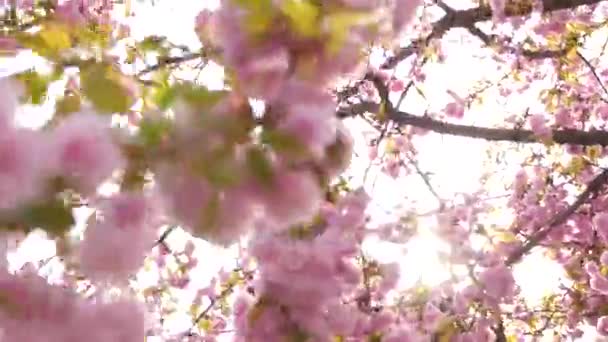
pixel 314 126
pixel 115 245
pixel 498 282
pixel 396 86
pixel 84 152
pixel 294 198
pixel 404 13
pixel 21 158
pixel 454 110
pixel 600 221
pixel 602 325
pixel 539 125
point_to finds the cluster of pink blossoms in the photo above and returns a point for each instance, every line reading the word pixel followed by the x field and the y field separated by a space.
pixel 33 311
pixel 80 151
pixel 71 11
pixel 219 180
pixel 115 245
pixel 279 59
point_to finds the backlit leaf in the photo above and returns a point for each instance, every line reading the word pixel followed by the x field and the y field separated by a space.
pixel 302 15
pixel 199 97
pixel 36 86
pixel 260 15
pixel 260 166
pixel 49 41
pixel 152 132
pixel 67 104
pixel 340 25
pixel 54 217
pixel 103 86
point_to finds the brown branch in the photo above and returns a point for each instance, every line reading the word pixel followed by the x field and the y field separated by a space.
pixel 165 61
pixel 561 217
pixel 469 17
pixel 163 237
pixel 560 136
pixel 499 331
pixel 593 72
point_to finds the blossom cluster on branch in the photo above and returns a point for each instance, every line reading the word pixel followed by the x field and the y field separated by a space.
pixel 269 180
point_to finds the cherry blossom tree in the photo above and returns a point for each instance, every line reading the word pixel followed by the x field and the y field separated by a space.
pixel 269 164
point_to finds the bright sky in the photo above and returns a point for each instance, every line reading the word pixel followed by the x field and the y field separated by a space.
pixel 457 163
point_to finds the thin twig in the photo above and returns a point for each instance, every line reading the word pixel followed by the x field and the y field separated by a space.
pixel 162 62
pixel 559 136
pixel 595 75
pixel 426 180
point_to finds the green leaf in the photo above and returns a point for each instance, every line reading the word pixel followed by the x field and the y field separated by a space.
pixel 222 172
pixel 302 15
pixel 218 168
pixel 49 41
pixel 163 97
pixel 205 325
pixel 260 15
pixel 199 97
pixel 152 132
pixel 152 43
pixel 56 37
pixel 282 142
pixel 53 217
pixel 36 86
pixel 103 86
pixel 260 166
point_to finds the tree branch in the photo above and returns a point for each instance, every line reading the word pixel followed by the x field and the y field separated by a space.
pixel 561 217
pixel 469 17
pixel 593 72
pixel 164 61
pixel 560 136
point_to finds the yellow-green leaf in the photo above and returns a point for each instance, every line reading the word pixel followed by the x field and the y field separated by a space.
pixel 340 24
pixel 446 330
pixel 218 167
pixel 199 97
pixel 49 41
pixel 594 152
pixel 67 104
pixel 260 166
pixel 577 163
pixel 55 217
pixel 506 236
pixel 260 15
pixel 375 337
pixel 104 87
pixel 56 37
pixel 283 142
pixel 381 115
pixel 36 86
pixel 302 15
pixel 205 325
pixel 512 338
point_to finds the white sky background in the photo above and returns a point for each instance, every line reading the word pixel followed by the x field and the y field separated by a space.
pixel 457 163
